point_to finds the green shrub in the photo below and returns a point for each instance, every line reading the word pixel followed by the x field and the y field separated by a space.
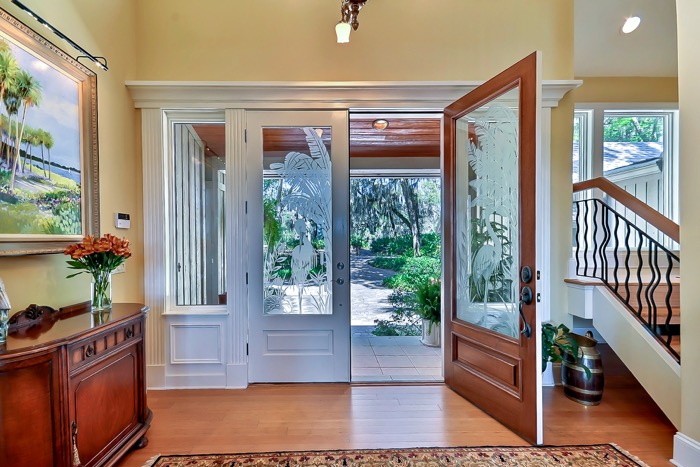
pixel 357 242
pixel 398 246
pixel 403 245
pixel 403 320
pixel 389 262
pixel 414 272
pixel 5 176
pixel 21 218
pixel 431 245
pixel 65 221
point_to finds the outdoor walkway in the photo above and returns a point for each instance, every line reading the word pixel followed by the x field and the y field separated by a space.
pixel 369 297
pixel 389 358
pixel 383 358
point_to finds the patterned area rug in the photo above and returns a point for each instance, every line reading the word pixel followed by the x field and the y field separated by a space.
pixel 501 456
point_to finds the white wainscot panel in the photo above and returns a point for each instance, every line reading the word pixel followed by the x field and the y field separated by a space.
pixel 299 342
pixel 196 343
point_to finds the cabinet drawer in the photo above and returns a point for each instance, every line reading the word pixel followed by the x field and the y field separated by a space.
pixel 92 348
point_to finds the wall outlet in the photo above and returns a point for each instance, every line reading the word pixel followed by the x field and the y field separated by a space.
pixel 120 269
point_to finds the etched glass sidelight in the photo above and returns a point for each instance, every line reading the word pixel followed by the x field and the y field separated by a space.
pixel 487 237
pixel 297 222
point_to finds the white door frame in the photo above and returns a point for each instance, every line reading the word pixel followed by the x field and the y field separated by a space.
pixel 293 347
pixel 156 97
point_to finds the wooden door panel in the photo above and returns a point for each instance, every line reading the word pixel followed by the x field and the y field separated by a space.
pixel 104 402
pixel 499 369
pixel 29 412
pixel 489 216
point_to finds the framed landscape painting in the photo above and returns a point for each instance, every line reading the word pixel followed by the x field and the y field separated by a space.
pixel 49 193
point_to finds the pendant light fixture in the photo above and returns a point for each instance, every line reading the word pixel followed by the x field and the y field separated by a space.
pixel 349 11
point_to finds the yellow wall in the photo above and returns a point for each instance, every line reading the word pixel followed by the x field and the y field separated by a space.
pixel 103 28
pixel 269 40
pixel 688 77
pixel 627 89
pixel 272 40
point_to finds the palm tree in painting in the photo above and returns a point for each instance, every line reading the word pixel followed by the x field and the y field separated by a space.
pixel 29 138
pixel 28 91
pixel 6 130
pixel 40 136
pixel 12 104
pixel 8 70
pixel 47 141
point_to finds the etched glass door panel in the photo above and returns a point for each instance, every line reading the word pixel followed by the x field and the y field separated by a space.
pixel 297 170
pixel 487 230
pixel 297 237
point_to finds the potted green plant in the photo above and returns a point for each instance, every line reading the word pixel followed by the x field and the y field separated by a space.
pixel 557 341
pixel 427 298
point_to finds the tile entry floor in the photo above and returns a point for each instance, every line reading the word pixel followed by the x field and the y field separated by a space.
pixel 394 358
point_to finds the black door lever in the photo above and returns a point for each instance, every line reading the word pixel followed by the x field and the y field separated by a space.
pixel 525 299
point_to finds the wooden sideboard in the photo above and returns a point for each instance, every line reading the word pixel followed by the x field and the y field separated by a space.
pixel 72 386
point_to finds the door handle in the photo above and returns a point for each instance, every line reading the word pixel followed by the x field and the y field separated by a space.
pixel 525 299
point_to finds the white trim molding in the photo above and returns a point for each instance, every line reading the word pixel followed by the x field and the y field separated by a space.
pixel 330 95
pixel 686 451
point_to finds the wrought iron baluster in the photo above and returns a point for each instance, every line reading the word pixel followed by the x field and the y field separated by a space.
pixel 627 262
pixel 595 238
pixel 615 239
pixel 577 204
pixel 657 280
pixel 640 262
pixel 585 238
pixel 667 299
pixel 648 289
pixel 606 241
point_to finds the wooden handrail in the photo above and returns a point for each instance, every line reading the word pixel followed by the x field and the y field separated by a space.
pixel 634 204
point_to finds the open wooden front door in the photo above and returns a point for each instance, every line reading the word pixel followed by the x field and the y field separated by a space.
pixel 491 325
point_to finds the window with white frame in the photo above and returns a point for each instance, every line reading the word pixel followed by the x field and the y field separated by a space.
pixel 634 147
pixel 197 215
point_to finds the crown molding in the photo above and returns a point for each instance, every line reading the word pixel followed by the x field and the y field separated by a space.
pixel 378 95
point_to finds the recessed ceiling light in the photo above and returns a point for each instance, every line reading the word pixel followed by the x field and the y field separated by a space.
pixel 380 124
pixel 631 24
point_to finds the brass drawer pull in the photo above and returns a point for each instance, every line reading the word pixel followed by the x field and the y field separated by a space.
pixel 129 333
pixel 89 351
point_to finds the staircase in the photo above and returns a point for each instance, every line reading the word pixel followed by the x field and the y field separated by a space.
pixel 627 282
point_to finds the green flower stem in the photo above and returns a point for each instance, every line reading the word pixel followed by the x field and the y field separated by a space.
pixel 102 297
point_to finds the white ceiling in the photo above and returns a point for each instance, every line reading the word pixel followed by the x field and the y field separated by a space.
pixel 600 49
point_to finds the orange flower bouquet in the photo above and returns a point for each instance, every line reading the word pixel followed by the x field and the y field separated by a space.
pixel 99 257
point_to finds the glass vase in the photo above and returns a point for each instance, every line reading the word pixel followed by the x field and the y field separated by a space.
pixel 4 324
pixel 101 291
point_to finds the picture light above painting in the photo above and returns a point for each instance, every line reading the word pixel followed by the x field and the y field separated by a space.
pixel 49 193
pixel 100 62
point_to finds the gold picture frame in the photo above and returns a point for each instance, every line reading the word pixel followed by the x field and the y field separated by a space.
pixel 46 205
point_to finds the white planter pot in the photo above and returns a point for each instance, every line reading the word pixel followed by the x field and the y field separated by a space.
pixel 431 334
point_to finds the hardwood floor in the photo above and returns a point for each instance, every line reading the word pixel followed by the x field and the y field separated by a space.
pixel 337 416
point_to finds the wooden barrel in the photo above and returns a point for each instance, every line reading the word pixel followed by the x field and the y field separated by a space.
pixel 576 386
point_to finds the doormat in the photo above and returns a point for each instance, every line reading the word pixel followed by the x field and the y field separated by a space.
pixel 501 456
